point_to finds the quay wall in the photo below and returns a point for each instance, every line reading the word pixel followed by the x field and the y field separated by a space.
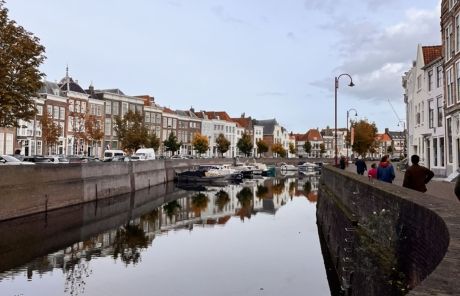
pixel 26 190
pixel 384 239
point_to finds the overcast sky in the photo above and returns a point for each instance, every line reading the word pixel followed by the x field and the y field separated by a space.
pixel 267 58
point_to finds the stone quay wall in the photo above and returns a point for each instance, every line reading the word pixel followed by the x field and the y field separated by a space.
pixel 384 239
pixel 26 190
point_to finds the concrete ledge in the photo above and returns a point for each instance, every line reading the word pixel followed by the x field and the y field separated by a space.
pixel 418 232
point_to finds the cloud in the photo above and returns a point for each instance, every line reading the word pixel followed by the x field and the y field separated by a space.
pixel 377 57
pixel 330 6
pixel 291 35
pixel 271 94
pixel 220 12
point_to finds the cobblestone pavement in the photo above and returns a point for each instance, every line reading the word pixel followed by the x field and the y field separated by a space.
pixel 438 188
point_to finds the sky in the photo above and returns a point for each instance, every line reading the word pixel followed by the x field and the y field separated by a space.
pixel 265 58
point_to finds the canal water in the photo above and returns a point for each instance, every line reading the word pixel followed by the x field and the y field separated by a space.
pixel 255 238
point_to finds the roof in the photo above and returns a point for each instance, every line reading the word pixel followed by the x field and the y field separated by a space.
pixel 219 115
pixel 397 135
pixel 300 137
pixel 112 91
pixel 186 113
pixel 167 110
pixel 314 135
pixel 72 85
pixel 431 53
pixel 268 124
pixel 245 122
pixel 51 88
pixel 383 137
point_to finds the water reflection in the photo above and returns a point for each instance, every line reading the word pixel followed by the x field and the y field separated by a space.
pixel 70 239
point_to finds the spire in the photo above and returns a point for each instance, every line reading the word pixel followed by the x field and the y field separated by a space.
pixel 67 80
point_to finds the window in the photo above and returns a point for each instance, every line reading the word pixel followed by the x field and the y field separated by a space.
pixel 39 110
pixel 448 40
pixel 147 117
pixel 108 126
pixel 430 80
pixel 116 108
pixel 438 76
pixel 49 110
pixel 435 151
pixel 423 113
pixel 108 107
pixel 71 105
pixel 419 82
pixel 77 106
pixel 56 112
pixel 83 107
pixel 440 108
pixel 450 83
pixel 457 33
pixel 457 67
pixel 431 114
pixel 124 108
pixel 61 113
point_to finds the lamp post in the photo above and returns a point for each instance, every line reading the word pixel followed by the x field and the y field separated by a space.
pixel 404 132
pixel 336 86
pixel 348 115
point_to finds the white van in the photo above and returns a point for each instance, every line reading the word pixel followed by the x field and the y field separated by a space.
pixel 109 154
pixel 145 154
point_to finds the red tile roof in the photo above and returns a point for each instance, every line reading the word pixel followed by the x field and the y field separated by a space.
pixel 243 121
pixel 431 53
pixel 382 137
pixel 314 135
pixel 300 137
pixel 167 110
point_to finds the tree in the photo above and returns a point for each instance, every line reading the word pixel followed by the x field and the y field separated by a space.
pixel 200 143
pixel 390 150
pixel 222 144
pixel 153 141
pixel 20 57
pixel 307 147
pixel 322 149
pixel 262 146
pixel 292 148
pixel 245 144
pixel 222 199
pixel 279 149
pixel 131 131
pixel 50 131
pixel 171 143
pixel 94 131
pixel 364 139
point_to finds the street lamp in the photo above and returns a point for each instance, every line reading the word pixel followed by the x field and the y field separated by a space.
pixel 348 114
pixel 404 132
pixel 336 86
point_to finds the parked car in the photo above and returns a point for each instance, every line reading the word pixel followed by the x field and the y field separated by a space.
pixel 178 157
pixel 112 153
pixel 118 158
pixel 10 160
pixel 145 154
pixel 37 159
pixel 57 159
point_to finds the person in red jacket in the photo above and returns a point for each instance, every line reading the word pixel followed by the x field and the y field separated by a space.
pixel 417 176
pixel 372 173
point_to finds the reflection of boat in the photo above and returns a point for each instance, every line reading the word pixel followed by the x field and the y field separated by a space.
pixel 308 169
pixel 199 177
pixel 270 172
pixel 287 167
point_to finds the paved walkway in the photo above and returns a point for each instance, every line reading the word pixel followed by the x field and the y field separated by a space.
pixel 438 188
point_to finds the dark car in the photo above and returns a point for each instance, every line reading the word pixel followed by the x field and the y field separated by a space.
pixel 37 159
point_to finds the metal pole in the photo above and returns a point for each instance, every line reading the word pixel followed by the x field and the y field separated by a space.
pixel 336 81
pixel 35 132
pixel 348 112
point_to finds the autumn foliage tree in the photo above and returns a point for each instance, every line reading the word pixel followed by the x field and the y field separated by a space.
pixel 50 132
pixel 262 146
pixel 364 136
pixel 245 144
pixel 223 144
pixel 200 143
pixel 131 131
pixel 279 149
pixel 20 57
pixel 93 130
pixel 292 148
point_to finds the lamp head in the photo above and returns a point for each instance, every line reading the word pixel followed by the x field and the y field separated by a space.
pixel 351 84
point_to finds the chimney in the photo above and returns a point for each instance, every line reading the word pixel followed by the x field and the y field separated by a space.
pixel 243 114
pixel 91 89
pixel 192 109
pixel 387 130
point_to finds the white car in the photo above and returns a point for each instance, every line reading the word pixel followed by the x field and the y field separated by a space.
pixel 10 160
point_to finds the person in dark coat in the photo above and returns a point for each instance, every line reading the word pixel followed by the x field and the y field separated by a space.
pixel 385 170
pixel 342 162
pixel 360 166
pixel 417 176
pixel 457 188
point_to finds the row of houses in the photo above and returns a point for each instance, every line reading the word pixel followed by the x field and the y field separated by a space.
pixel 86 121
pixel 432 97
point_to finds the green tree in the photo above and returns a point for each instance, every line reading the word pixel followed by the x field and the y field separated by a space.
pixel 153 141
pixel 200 143
pixel 222 199
pixel 222 144
pixel 364 136
pixel 262 146
pixel 322 149
pixel 50 132
pixel 20 57
pixel 171 143
pixel 131 131
pixel 279 149
pixel 245 144
pixel 390 149
pixel 292 148
pixel 307 147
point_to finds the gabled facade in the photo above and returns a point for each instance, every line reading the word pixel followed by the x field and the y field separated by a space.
pixel 423 89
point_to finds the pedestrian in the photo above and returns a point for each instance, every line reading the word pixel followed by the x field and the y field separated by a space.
pixel 342 162
pixel 372 173
pixel 457 188
pixel 385 170
pixel 360 166
pixel 416 176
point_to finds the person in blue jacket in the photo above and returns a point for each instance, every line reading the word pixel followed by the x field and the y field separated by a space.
pixel 385 170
